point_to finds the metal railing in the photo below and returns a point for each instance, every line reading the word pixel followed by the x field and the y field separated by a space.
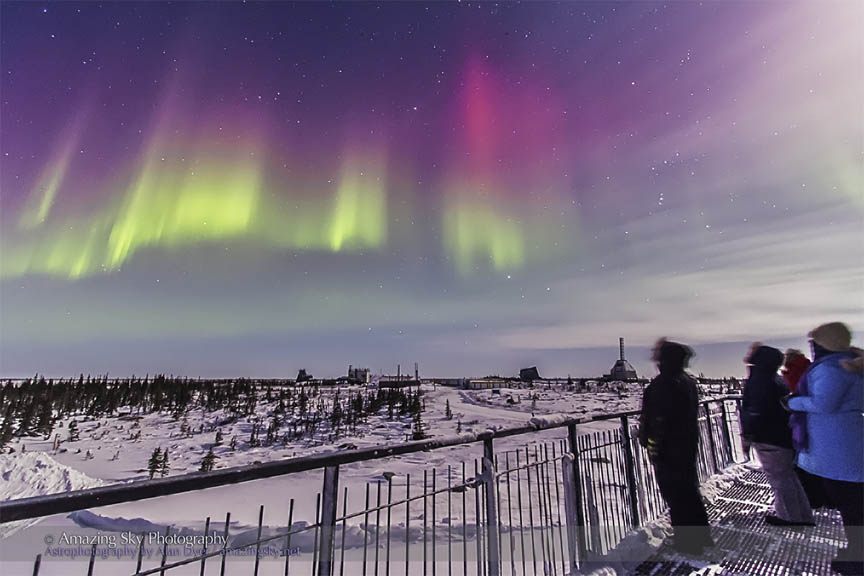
pixel 545 506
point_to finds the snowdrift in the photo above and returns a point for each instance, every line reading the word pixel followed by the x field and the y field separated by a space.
pixel 34 474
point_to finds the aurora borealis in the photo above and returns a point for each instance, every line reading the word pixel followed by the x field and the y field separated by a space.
pixel 225 189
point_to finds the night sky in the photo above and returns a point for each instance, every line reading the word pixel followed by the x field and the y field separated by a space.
pixel 219 189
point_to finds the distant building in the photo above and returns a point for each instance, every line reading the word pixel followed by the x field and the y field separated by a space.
pixel 529 374
pixel 359 375
pixel 389 381
pixel 622 370
pixel 453 382
pixel 718 385
pixel 400 380
pixel 302 376
pixel 486 383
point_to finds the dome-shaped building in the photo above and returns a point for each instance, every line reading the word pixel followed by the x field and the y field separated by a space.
pixel 622 370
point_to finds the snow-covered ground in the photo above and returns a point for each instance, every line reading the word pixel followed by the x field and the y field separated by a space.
pixel 36 473
pixel 33 474
pixel 111 450
pixel 544 400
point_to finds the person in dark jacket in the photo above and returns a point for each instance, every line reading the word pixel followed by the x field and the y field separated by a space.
pixel 765 425
pixel 831 394
pixel 669 430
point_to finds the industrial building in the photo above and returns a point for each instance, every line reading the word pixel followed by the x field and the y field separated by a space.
pixel 359 375
pixel 622 370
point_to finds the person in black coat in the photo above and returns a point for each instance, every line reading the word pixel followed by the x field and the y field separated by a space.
pixel 765 425
pixel 669 430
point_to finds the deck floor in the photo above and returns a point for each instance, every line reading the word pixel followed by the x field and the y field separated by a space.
pixel 748 546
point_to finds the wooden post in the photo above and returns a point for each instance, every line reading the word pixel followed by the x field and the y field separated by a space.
pixel 493 557
pixel 711 441
pixel 580 534
pixel 329 495
pixel 727 436
pixel 630 464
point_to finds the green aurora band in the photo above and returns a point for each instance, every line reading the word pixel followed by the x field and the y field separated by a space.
pixel 44 192
pixel 230 197
pixel 219 200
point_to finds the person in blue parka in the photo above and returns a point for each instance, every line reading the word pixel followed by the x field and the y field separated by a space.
pixel 830 437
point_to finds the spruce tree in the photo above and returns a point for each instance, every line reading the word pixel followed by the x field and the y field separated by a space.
pixel 253 436
pixel 303 402
pixel 417 431
pixel 5 433
pixel 208 461
pixel 46 419
pixel 165 465
pixel 25 423
pixel 448 413
pixel 336 415
pixel 155 462
pixel 271 434
pixel 73 431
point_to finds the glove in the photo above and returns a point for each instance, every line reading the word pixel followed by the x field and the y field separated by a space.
pixel 653 448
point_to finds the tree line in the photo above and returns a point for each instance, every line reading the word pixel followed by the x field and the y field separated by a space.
pixel 33 407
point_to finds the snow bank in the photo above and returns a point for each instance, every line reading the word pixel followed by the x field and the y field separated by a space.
pixel 719 483
pixel 87 519
pixel 35 474
pixel 551 420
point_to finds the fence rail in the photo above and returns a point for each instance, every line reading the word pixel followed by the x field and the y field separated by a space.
pixel 544 507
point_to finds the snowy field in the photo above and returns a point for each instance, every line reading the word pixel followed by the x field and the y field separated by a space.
pixel 116 449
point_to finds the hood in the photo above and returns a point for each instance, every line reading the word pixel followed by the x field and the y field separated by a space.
pixel 799 362
pixel 856 364
pixel 673 357
pixel 819 351
pixel 766 359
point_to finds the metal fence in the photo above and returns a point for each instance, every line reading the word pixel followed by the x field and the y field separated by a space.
pixel 541 499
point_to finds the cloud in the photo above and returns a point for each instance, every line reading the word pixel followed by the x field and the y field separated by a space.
pixel 777 281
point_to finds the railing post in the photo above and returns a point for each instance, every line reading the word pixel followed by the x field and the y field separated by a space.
pixel 630 464
pixel 93 561
pixel 329 495
pixel 571 502
pixel 493 557
pixel 745 450
pixel 711 441
pixel 581 544
pixel 727 435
